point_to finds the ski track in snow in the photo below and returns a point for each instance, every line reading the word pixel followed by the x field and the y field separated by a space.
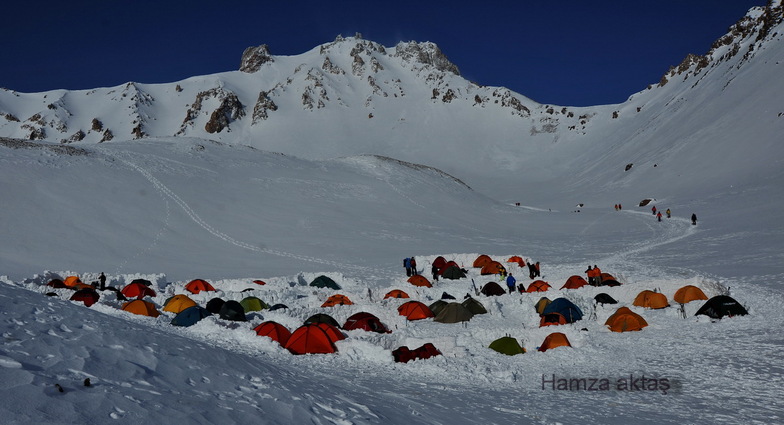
pixel 165 191
pixel 674 228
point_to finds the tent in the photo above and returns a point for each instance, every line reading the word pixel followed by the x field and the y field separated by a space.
pixel 482 261
pixel 403 354
pixel 396 293
pixel 253 304
pixel 555 339
pixel 574 282
pixel 604 299
pixel 274 330
pixel 492 289
pixel 493 267
pixel 332 332
pixel 568 309
pixel 474 306
pixel 190 316
pixel 137 290
pixel 337 299
pixel 214 305
pixel 538 286
pixel 516 259
pixel 446 296
pixel 197 285
pixel 310 339
pixel 72 281
pixel 650 299
pixel 439 262
pixel 325 282
pixel 453 272
pixel 87 296
pixel 720 306
pixel 437 306
pixel 144 282
pixel 141 307
pixel 178 303
pixel 415 310
pixel 689 293
pixel 507 345
pixel 625 320
pixel 365 321
pixel 551 319
pixel 447 265
pixel 232 310
pixel 542 304
pixel 278 307
pixel 426 351
pixel 56 283
pixel 322 318
pixel 419 280
pixel 453 313
pixel 259 282
pixel 608 280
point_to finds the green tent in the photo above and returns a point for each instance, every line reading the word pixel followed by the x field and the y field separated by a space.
pixel 324 282
pixel 253 304
pixel 453 272
pixel 507 345
pixel 453 313
pixel 437 306
pixel 474 306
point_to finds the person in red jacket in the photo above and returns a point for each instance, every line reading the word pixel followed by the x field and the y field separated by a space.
pixel 659 216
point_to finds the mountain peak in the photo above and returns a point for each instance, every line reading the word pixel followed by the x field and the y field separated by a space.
pixel 426 53
pixel 254 57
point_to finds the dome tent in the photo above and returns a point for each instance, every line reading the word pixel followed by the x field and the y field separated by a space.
pixel 625 320
pixel 325 282
pixel 190 316
pixel 720 306
pixel 568 309
pixel 507 345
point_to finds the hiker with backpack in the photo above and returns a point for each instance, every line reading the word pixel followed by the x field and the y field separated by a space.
pixel 407 265
pixel 510 283
pixel 694 219
pixel 414 271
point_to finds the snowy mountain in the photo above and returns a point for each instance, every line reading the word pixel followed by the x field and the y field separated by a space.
pixel 348 158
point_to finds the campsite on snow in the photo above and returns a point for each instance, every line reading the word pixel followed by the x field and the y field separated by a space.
pixel 255 230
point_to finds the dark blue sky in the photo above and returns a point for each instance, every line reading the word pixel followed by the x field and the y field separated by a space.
pixel 570 53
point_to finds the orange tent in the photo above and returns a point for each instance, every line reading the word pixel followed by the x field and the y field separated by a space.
pixel 274 330
pixel 552 319
pixel 415 310
pixel 396 293
pixel 141 307
pixel 555 339
pixel 72 281
pixel 574 282
pixel 606 276
pixel 337 299
pixel 197 285
pixel 689 293
pixel 538 286
pixel 332 331
pixel 482 261
pixel 516 259
pixel 493 267
pixel 310 339
pixel 137 290
pixel 419 280
pixel 650 299
pixel 178 303
pixel 625 320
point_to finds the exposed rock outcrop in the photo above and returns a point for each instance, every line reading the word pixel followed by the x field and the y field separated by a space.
pixel 254 57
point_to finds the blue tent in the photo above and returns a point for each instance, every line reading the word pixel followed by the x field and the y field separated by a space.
pixel 190 316
pixel 571 312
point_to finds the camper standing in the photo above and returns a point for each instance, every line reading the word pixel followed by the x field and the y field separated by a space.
pixel 510 283
pixel 434 270
pixel 102 279
pixel 407 265
pixel 414 271
pixel 694 219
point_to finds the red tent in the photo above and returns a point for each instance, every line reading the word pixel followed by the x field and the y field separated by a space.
pixel 197 285
pixel 137 290
pixel 415 310
pixel 274 330
pixel 365 321
pixel 87 296
pixel 310 339
pixel 574 282
pixel 538 286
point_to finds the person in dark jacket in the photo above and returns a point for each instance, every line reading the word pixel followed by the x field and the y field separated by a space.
pixel 414 271
pixel 694 219
pixel 435 271
pixel 531 270
pixel 102 279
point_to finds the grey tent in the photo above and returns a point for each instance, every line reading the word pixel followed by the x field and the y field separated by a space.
pixel 474 306
pixel 453 272
pixel 453 313
pixel 437 306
